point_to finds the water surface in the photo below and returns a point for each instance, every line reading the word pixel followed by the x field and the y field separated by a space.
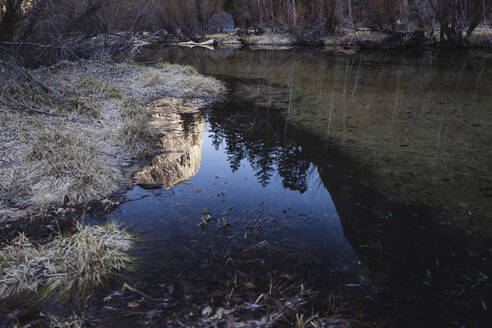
pixel 366 176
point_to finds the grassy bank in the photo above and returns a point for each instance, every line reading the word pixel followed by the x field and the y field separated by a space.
pixel 62 150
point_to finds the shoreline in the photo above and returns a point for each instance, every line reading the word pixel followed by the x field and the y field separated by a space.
pixel 86 148
pixel 360 38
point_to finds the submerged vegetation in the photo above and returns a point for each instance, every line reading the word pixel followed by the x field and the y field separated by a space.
pixel 67 265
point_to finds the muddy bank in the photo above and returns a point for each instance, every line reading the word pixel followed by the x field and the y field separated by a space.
pixel 344 38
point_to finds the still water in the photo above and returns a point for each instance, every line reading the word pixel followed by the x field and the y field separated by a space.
pixel 364 178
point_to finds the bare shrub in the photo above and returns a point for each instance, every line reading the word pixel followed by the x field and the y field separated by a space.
pixel 459 18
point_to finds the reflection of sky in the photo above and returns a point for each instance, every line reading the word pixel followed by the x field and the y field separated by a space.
pixel 309 218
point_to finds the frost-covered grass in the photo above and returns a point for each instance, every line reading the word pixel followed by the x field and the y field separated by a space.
pixel 64 166
pixel 74 321
pixel 135 132
pixel 67 265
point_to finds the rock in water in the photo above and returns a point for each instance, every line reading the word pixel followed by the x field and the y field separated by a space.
pixel 220 23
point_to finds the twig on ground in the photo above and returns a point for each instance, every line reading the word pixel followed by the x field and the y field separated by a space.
pixel 21 107
pixel 253 223
pixel 134 290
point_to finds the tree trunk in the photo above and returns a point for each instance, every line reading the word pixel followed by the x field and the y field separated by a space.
pixel 199 15
pixel 9 19
pixel 351 17
pixel 294 13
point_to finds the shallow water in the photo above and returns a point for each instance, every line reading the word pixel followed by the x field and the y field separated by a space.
pixel 233 223
pixel 366 176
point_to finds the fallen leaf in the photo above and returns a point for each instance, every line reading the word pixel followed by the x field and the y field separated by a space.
pixel 217 293
pixel 250 285
pixel 207 311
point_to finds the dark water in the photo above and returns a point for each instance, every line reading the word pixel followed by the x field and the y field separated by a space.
pixel 364 177
pixel 252 216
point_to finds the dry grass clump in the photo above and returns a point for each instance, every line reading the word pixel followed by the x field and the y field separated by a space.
pixel 135 131
pixel 201 84
pixel 85 106
pixel 67 265
pixel 13 189
pixel 74 321
pixel 94 86
pixel 64 166
pixel 139 137
pixel 173 68
pixel 153 79
pixel 185 81
pixel 24 90
pixel 132 108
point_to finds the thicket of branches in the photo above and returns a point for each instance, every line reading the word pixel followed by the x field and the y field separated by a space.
pixel 53 22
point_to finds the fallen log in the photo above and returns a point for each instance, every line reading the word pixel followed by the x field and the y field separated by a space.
pixel 209 44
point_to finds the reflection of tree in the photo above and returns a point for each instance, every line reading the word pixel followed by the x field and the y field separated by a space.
pixel 247 132
pixel 262 159
pixel 235 152
pixel 293 168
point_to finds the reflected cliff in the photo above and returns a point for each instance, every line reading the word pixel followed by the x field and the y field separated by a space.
pixel 181 127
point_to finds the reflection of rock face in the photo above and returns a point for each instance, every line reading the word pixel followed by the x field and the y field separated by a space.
pixel 182 127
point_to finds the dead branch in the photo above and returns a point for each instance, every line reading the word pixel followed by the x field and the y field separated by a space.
pixel 21 107
pixel 22 72
pixel 134 290
pixel 36 45
pixel 253 223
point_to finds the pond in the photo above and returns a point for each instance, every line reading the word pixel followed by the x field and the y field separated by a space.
pixel 350 185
